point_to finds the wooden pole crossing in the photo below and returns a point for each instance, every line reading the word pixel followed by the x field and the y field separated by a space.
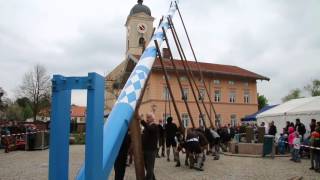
pixel 186 69
pixel 195 58
pixel 178 78
pixel 169 86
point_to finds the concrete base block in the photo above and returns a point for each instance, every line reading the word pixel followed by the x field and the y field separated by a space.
pixel 233 147
pixel 249 148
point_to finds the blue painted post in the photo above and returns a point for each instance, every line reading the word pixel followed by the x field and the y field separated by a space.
pixel 59 130
pixel 94 127
pixel 60 126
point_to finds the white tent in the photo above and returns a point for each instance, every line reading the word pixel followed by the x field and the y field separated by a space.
pixel 304 108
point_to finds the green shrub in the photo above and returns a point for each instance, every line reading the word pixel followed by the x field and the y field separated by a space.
pixel 79 138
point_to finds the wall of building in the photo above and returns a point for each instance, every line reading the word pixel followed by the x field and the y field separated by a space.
pixel 155 96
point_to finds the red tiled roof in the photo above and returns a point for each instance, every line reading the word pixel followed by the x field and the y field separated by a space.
pixel 217 69
pixel 78 111
pixel 212 68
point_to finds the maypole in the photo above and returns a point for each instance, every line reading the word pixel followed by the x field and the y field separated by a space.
pixel 124 109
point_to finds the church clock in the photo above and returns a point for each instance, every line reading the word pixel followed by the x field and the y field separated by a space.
pixel 142 28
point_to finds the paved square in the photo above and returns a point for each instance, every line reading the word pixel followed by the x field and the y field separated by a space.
pixel 34 165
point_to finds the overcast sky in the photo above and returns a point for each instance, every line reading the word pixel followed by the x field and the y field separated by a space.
pixel 277 39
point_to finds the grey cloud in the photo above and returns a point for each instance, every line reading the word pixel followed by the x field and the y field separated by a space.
pixel 278 39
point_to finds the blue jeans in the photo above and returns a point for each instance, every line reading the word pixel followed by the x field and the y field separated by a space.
pixel 296 155
pixel 291 152
pixel 282 148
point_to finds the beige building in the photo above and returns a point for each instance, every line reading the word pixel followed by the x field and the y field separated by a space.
pixel 232 89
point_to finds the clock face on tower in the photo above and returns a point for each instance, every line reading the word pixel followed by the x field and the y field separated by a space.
pixel 142 28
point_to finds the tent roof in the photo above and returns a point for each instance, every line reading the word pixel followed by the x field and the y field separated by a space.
pixel 253 116
pixel 308 108
pixel 295 106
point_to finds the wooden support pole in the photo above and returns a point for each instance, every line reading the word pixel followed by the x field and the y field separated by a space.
pixel 192 76
pixel 169 87
pixel 178 79
pixel 195 58
pixel 135 134
pixel 186 69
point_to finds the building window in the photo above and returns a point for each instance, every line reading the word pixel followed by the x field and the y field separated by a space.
pixel 216 81
pixel 246 84
pixel 231 82
pixel 201 124
pixel 232 96
pixel 164 78
pixel 233 118
pixel 185 119
pixel 217 95
pixel 166 94
pixel 185 93
pixel 218 120
pixel 141 42
pixel 246 97
pixel 201 94
pixel 183 78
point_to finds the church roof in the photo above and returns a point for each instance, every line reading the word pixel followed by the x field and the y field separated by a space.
pixel 138 8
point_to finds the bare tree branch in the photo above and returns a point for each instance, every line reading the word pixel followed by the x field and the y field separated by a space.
pixel 36 86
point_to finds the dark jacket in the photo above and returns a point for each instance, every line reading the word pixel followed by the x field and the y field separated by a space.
pixel 125 144
pixel 272 130
pixel 209 136
pixel 171 130
pixel 301 129
pixel 150 136
pixel 312 127
pixel 161 131
pixel 202 138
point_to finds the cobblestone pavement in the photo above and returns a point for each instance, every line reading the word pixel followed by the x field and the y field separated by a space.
pixel 34 165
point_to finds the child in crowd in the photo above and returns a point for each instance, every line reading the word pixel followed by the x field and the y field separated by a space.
pixel 296 147
pixel 281 143
pixel 290 141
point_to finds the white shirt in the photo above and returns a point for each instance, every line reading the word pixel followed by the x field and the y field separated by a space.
pixel 296 143
pixel 214 133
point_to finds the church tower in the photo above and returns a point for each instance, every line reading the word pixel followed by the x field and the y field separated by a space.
pixel 139 27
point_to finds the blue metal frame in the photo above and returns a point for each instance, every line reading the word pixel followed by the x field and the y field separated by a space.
pixel 60 126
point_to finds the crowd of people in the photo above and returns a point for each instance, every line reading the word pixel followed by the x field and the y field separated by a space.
pixel 298 142
pixel 161 139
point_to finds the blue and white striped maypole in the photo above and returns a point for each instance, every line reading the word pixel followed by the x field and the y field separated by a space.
pixel 123 111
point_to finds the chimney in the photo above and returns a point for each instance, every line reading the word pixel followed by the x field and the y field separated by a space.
pixel 166 53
